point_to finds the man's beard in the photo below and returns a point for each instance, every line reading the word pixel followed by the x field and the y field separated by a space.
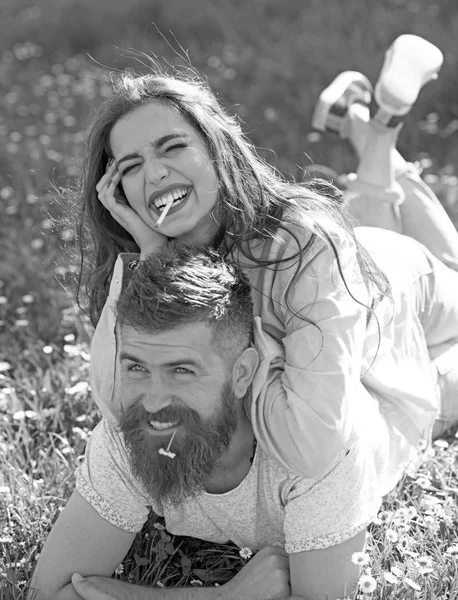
pixel 197 446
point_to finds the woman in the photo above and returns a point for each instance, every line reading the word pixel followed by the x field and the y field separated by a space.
pixel 165 161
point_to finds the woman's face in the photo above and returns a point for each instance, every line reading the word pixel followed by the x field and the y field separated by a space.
pixel 160 156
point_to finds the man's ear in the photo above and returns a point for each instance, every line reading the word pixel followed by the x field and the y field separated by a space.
pixel 244 370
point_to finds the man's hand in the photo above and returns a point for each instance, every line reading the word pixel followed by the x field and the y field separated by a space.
pixel 265 577
pixel 87 588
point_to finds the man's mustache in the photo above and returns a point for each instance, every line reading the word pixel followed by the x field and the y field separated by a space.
pixel 169 414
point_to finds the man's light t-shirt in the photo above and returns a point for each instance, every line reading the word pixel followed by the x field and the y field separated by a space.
pixel 270 505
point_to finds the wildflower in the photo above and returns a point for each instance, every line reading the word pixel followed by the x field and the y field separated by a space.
pixel 367 583
pixel 4 366
pixel 69 338
pixel 47 349
pixel 158 526
pixel 119 569
pixel 20 415
pixel 411 512
pixel 245 552
pixel 28 299
pixel 37 244
pixel 360 558
pixel 160 584
pixel 21 322
pixel 390 578
pixel 71 350
pixel 424 565
pixel 412 584
pixel 430 503
pixel 397 572
pixel 6 540
pixel 3 300
pixel 441 444
pixel 452 550
pixel 79 388
pixel 391 536
pixel 423 482
pixel 195 582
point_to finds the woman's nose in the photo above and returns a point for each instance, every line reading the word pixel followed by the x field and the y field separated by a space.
pixel 156 170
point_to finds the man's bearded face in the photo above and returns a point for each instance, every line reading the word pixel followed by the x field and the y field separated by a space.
pixel 198 445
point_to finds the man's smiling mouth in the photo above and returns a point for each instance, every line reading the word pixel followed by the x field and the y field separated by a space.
pixel 159 426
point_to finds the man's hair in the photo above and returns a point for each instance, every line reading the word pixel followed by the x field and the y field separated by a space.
pixel 181 284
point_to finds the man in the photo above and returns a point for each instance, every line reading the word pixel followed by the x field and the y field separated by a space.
pixel 183 445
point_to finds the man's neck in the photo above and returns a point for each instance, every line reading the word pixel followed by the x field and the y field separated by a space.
pixel 235 464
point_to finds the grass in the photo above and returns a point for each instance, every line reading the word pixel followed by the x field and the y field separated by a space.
pixel 268 61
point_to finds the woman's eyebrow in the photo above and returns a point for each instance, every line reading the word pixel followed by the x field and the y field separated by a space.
pixel 156 144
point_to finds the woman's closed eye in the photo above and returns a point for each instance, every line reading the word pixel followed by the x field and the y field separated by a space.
pixel 129 168
pixel 176 146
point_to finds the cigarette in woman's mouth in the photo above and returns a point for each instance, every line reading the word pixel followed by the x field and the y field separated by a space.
pixel 163 214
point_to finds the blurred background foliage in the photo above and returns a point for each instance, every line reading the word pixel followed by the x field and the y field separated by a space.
pixel 266 60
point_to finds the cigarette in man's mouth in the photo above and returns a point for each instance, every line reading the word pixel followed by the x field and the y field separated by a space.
pixel 163 214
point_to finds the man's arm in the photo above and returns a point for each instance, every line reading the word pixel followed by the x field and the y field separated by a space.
pixel 265 577
pixel 83 542
pixel 80 541
pixel 326 574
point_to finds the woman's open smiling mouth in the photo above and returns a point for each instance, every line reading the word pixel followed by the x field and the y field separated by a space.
pixel 178 195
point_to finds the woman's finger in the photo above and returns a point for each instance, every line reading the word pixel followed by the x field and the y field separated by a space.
pixel 86 590
pixel 110 169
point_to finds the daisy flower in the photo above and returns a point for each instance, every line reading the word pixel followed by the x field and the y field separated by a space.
pixel 424 562
pixel 245 552
pixel 391 535
pixel 424 565
pixel 360 558
pixel 452 550
pixel 367 583
pixel 411 512
pixel 390 578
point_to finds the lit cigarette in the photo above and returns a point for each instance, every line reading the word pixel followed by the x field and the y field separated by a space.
pixel 163 215
pixel 167 452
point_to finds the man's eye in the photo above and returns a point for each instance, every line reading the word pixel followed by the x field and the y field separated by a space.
pixel 134 367
pixel 182 370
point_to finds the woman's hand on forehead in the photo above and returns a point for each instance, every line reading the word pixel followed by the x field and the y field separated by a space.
pixel 113 200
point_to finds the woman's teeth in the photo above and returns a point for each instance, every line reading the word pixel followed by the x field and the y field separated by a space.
pixel 174 196
pixel 159 425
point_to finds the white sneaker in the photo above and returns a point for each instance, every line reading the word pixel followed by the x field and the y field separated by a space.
pixel 347 88
pixel 409 64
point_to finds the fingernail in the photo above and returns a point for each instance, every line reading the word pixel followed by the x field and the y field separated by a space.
pixel 77 577
pixel 110 162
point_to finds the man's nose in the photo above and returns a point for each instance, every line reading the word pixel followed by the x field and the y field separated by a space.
pixel 156 398
pixel 156 170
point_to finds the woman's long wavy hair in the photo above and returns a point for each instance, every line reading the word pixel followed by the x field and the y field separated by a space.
pixel 254 200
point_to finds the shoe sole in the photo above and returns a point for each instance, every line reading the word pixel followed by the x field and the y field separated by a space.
pixel 410 63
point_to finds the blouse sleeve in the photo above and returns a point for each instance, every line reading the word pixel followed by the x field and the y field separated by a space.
pixel 337 506
pixel 303 417
pixel 104 368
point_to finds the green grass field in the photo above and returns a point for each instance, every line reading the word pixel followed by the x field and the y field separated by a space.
pixel 268 61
